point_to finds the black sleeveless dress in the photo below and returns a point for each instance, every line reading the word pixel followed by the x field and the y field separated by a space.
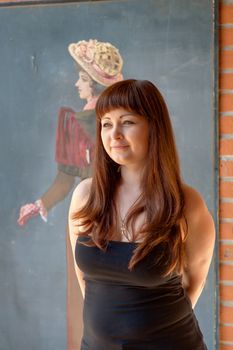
pixel 133 310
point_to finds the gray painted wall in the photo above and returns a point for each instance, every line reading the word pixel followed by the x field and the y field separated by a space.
pixel 168 42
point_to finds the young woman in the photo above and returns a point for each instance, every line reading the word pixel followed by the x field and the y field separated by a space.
pixel 142 239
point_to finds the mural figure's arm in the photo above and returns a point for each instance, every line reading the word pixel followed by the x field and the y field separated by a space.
pixel 74 153
pixel 60 188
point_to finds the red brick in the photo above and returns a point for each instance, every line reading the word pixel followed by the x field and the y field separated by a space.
pixel 226 36
pixel 226 230
pixel 225 254
pixel 226 168
pixel 226 292
pixel 226 147
pixel 226 59
pixel 226 314
pixel 226 125
pixel 226 81
pixel 225 13
pixel 226 102
pixel 226 210
pixel 226 189
pixel 226 333
pixel 225 347
pixel 226 271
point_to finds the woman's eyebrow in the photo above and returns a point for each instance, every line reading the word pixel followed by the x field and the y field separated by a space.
pixel 121 116
pixel 126 114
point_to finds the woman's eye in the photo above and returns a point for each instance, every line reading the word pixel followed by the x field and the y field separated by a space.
pixel 105 125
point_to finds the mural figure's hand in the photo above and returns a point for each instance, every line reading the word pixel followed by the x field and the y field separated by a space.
pixel 30 210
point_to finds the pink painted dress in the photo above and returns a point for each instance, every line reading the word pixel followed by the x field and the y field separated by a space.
pixel 75 141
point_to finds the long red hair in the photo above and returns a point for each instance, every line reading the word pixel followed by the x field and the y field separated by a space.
pixel 162 197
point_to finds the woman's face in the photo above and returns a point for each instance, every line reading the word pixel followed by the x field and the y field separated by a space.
pixel 125 137
pixel 84 86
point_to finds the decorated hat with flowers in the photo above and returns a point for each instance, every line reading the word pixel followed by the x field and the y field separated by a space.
pixel 101 60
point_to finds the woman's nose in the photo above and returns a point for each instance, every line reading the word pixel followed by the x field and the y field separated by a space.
pixel 77 83
pixel 116 132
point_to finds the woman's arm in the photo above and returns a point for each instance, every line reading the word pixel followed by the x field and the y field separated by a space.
pixel 199 244
pixel 79 198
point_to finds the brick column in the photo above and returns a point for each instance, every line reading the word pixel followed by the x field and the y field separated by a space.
pixel 226 173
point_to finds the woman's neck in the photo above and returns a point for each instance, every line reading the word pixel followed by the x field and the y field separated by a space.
pixel 131 178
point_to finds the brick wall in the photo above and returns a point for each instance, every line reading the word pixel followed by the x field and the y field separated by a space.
pixel 226 171
pixel 226 174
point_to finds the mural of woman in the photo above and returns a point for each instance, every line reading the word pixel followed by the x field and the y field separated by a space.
pixel 99 65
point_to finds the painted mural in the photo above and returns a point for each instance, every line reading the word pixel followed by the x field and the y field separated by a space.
pixel 55 60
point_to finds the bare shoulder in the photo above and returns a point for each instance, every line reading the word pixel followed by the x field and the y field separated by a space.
pixel 80 195
pixel 83 188
pixel 194 203
pixel 79 199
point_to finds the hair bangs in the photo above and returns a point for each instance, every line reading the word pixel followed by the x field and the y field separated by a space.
pixel 119 95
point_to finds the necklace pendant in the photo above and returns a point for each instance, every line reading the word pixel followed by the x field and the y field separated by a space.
pixel 123 229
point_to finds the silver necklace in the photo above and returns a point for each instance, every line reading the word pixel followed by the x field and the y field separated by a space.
pixel 124 231
pixel 123 228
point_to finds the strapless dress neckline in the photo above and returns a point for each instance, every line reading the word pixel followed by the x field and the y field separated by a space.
pixel 112 241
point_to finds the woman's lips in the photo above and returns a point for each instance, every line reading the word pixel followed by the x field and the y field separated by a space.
pixel 119 146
